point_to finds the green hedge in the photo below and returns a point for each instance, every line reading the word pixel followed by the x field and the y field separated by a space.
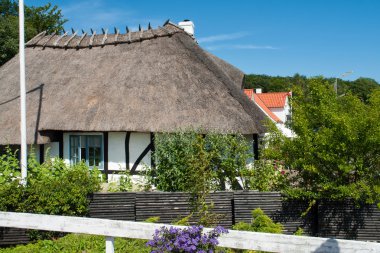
pixel 52 187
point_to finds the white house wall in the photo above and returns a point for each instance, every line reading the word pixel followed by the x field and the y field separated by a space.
pixel 280 113
pixel 116 151
pixel 137 143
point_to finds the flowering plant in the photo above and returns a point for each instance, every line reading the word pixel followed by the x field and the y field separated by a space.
pixel 190 240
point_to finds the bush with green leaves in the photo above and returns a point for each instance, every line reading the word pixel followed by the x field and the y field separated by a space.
pixel 335 153
pixel 260 223
pixel 124 184
pixel 187 159
pixel 52 187
pixel 197 163
pixel 266 175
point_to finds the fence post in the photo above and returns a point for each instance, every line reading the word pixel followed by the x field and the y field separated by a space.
pixel 110 247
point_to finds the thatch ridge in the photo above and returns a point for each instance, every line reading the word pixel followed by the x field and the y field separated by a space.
pixel 75 41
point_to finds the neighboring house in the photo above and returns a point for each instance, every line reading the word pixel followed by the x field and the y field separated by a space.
pixel 275 105
pixel 102 98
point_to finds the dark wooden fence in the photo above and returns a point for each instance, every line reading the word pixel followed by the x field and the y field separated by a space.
pixel 13 236
pixel 342 220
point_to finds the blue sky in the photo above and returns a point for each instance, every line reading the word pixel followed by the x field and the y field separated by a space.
pixel 274 37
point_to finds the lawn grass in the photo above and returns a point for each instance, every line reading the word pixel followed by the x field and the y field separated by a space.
pixel 78 243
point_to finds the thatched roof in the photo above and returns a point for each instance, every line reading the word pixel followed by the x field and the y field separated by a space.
pixel 148 81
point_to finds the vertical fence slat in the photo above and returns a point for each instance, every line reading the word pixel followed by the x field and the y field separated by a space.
pixel 110 244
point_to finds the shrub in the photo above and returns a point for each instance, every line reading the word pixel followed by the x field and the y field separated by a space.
pixel 185 240
pixel 124 184
pixel 187 159
pixel 52 187
pixel 266 175
pixel 260 223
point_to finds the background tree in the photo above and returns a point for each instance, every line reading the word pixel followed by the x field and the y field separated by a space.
pixel 37 19
pixel 361 87
pixel 336 153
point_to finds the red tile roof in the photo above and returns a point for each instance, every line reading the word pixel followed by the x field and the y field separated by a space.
pixel 254 96
pixel 248 92
pixel 274 99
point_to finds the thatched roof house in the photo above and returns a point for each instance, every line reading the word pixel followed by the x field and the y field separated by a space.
pixel 149 81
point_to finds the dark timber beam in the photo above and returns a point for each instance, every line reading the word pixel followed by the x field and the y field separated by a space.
pixel 256 146
pixel 127 138
pixel 105 157
pixel 141 156
pixel 60 140
pixel 152 163
pixel 42 153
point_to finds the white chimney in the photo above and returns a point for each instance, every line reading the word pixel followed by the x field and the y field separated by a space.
pixel 188 26
pixel 259 90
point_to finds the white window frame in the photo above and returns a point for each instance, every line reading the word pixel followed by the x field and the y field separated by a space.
pixel 101 167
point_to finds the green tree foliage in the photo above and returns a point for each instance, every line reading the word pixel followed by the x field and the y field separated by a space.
pixel 196 163
pixel 260 223
pixel 266 175
pixel 336 153
pixel 37 19
pixel 188 160
pixel 361 87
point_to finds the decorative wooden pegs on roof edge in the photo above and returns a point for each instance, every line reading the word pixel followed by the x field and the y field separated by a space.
pixel 81 38
pixel 116 34
pixel 59 38
pixel 105 36
pixel 92 38
pixel 166 22
pixel 33 41
pixel 71 38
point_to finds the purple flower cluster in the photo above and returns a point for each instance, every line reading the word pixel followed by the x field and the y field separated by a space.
pixel 190 240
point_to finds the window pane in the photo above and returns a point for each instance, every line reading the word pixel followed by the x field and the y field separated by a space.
pixel 83 141
pixel 83 154
pixel 97 152
pixel 94 141
pixel 94 148
pixel 86 148
pixel 74 149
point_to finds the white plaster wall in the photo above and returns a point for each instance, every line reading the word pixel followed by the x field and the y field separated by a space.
pixel 282 112
pixel 137 143
pixel 279 112
pixel 116 151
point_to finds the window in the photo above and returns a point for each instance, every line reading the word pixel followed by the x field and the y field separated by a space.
pixel 87 148
pixel 288 118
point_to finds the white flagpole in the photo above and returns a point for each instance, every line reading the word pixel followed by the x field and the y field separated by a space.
pixel 23 161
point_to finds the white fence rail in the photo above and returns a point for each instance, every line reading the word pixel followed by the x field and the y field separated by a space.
pixel 141 230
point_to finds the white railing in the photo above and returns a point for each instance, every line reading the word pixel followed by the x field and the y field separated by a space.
pixel 141 230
